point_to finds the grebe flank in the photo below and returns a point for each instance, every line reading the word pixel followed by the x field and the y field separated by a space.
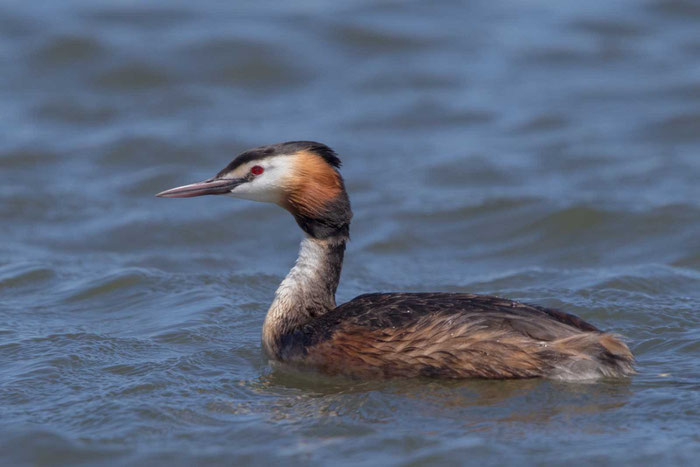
pixel 446 335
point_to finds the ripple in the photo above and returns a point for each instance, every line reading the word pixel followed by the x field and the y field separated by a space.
pixel 542 123
pixel 183 336
pixel 258 72
pixel 237 62
pixel 678 128
pixel 70 49
pixel 134 76
pixel 145 16
pixel 398 242
pixel 383 82
pixel 15 25
pixel 559 56
pixel 424 115
pixel 684 91
pixel 573 219
pixel 610 28
pixel 42 447
pixel 69 111
pixel 27 158
pixel 476 171
pixel 682 8
pixel 657 282
pixel 132 369
pixel 14 276
pixel 689 260
pixel 365 38
pixel 112 284
pixel 132 150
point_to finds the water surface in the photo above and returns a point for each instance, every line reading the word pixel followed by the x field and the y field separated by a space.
pixel 549 154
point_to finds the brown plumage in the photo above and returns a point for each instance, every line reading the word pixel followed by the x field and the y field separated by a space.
pixel 312 186
pixel 394 334
pixel 455 336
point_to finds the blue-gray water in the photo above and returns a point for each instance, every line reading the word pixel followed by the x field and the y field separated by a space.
pixel 543 151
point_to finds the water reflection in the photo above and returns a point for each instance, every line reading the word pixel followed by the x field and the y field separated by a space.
pixel 472 405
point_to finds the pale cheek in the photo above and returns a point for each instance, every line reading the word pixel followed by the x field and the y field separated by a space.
pixel 258 190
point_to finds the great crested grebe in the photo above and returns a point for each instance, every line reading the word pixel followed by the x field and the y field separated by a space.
pixel 446 335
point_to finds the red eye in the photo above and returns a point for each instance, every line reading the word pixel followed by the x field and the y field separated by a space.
pixel 256 170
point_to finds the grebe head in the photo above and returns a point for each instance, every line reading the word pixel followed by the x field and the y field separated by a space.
pixel 300 176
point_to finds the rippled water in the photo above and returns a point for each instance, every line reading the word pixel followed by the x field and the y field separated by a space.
pixel 543 151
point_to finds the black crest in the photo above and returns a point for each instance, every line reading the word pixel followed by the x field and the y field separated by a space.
pixel 290 147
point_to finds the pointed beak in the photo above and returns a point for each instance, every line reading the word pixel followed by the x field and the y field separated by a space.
pixel 213 186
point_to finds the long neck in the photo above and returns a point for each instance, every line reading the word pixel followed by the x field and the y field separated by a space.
pixel 307 292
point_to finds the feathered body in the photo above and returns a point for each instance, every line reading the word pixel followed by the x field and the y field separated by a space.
pixel 441 335
pixel 455 336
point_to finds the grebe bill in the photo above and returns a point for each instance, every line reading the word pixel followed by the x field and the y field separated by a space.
pixel 446 335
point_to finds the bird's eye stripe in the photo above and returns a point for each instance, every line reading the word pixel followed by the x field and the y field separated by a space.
pixel 256 170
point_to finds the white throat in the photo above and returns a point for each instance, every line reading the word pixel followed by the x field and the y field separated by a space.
pixel 307 292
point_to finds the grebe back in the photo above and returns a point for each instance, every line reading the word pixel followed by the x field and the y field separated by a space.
pixel 447 335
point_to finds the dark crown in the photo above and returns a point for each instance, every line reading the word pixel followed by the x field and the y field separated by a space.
pixel 290 147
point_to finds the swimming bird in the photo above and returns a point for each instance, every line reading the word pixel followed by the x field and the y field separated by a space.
pixel 443 335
